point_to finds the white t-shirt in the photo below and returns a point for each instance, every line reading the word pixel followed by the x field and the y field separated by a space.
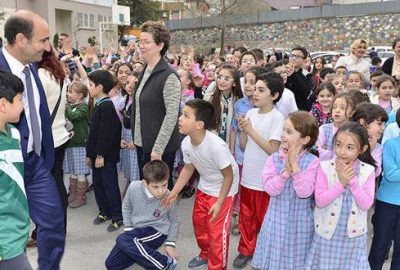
pixel 269 126
pixel 287 103
pixel 209 158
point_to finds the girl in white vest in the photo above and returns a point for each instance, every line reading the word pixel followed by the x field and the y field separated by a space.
pixel 344 191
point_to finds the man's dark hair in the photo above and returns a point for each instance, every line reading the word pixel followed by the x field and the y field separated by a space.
pixel 15 25
pixel 64 35
pixel 155 171
pixel 10 85
pixel 258 53
pixel 326 71
pixel 104 78
pixel 203 111
pixel 302 49
pixel 274 82
pixel 376 60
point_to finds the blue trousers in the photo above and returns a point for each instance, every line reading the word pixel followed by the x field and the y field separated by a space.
pixel 106 190
pixel 386 228
pixel 138 246
pixel 46 212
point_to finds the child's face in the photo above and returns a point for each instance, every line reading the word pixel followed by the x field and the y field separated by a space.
pixel 183 75
pixel 122 74
pixel 230 59
pixel 341 71
pixel 137 67
pixel 339 84
pixel 262 95
pixel 346 147
pixel 73 96
pixel 210 70
pixel 187 122
pixel 318 65
pixel 282 70
pixel 325 98
pixel 354 81
pixel 375 129
pixel 132 80
pixel 248 61
pixel 290 137
pixel 225 80
pixel 340 110
pixel 249 84
pixel 157 189
pixel 373 81
pixel 95 91
pixel 385 90
pixel 186 62
pixel 13 110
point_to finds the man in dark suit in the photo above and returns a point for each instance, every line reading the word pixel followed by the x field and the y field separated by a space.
pixel 27 37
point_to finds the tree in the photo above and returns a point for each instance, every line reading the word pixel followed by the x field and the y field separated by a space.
pixel 142 10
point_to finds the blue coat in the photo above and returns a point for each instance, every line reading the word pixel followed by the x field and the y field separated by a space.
pixel 22 125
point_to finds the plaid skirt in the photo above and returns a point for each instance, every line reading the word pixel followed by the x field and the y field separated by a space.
pixel 75 161
pixel 129 162
pixel 340 252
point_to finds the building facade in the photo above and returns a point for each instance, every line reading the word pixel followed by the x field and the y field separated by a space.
pixel 78 18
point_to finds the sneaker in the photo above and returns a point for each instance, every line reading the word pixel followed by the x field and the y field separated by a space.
pixel 114 225
pixel 100 219
pixel 171 263
pixel 197 262
pixel 241 261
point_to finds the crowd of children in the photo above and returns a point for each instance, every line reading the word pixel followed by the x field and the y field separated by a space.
pixel 295 185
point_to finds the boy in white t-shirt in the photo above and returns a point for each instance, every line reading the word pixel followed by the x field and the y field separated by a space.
pixel 219 177
pixel 260 132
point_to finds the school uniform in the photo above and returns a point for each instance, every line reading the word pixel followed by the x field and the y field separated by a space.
pixel 288 227
pixel 104 140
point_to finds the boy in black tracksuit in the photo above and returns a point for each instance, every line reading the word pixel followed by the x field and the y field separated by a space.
pixel 103 148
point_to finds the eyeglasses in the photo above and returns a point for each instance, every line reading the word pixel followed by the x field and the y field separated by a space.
pixel 144 42
pixel 295 56
pixel 224 79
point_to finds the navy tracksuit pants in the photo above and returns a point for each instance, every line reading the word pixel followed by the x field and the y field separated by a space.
pixel 138 246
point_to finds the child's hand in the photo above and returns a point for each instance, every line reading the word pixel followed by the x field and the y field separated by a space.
pixel 88 162
pixel 345 172
pixel 169 200
pixel 292 153
pixel 248 126
pixel 124 144
pixel 99 162
pixel 241 122
pixel 288 168
pixel 215 209
pixel 131 145
pixel 171 251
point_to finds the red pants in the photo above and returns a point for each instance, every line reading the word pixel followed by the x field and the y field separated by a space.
pixel 253 207
pixel 236 204
pixel 212 236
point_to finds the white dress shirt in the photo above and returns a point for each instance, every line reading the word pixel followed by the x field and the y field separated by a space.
pixel 17 69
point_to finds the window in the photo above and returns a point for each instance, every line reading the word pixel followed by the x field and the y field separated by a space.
pixel 86 20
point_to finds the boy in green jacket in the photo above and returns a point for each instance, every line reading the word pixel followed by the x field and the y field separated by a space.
pixel 14 211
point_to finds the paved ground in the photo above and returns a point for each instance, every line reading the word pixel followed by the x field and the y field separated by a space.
pixel 88 245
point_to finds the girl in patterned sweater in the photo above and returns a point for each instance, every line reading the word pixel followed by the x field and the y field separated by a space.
pixel 344 192
pixel 289 178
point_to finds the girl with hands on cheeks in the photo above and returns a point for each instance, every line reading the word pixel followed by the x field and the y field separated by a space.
pixel 289 178
pixel 344 192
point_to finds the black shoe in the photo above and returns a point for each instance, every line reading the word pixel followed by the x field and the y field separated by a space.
pixel 114 225
pixel 100 219
pixel 241 261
